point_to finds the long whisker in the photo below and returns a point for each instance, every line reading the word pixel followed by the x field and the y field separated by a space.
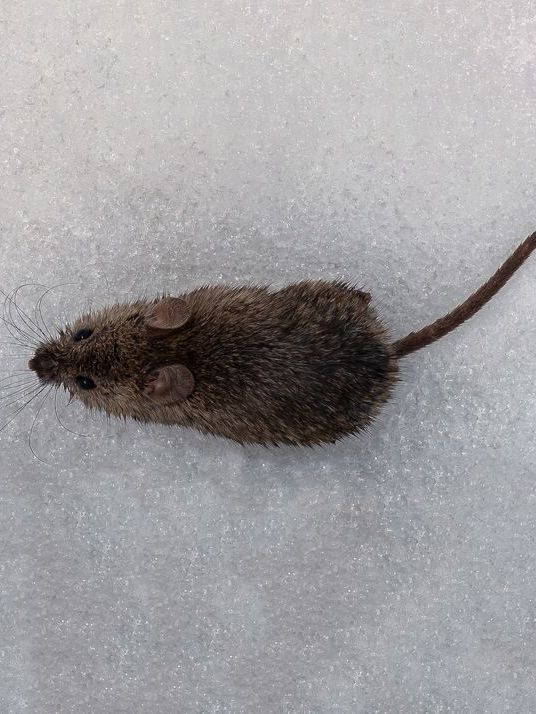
pixel 16 333
pixel 18 373
pixel 12 298
pixel 37 312
pixel 9 344
pixel 33 323
pixel 30 324
pixel 14 388
pixel 15 330
pixel 18 411
pixel 39 302
pixel 15 385
pixel 9 303
pixel 90 436
pixel 20 396
pixel 60 421
pixel 33 427
pixel 26 329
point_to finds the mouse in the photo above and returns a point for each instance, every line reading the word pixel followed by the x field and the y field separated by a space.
pixel 306 364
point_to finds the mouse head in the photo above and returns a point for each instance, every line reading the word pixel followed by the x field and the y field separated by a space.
pixel 120 359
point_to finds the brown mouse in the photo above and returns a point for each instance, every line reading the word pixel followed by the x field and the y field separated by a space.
pixel 304 365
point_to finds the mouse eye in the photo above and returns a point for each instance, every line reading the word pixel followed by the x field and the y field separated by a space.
pixel 85 382
pixel 82 335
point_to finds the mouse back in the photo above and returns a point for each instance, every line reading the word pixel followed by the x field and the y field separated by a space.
pixel 306 364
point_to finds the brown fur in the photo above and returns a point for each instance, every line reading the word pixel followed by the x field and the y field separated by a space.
pixel 303 365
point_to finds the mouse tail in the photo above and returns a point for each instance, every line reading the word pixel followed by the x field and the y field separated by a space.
pixel 424 337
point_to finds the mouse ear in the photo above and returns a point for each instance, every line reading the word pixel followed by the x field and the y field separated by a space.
pixel 170 385
pixel 168 314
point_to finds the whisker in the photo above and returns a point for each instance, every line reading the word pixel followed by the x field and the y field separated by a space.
pixel 18 411
pixel 30 324
pixel 17 373
pixel 8 310
pixel 39 302
pixel 89 436
pixel 26 330
pixel 33 323
pixel 19 334
pixel 37 312
pixel 33 427
pixel 14 388
pixel 15 385
pixel 10 344
pixel 17 400
pixel 60 421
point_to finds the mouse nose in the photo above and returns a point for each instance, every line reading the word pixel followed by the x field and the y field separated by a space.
pixel 43 365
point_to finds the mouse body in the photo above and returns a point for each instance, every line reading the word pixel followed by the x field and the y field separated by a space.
pixel 304 365
pixel 307 364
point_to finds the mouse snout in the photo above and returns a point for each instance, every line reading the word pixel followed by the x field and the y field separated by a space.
pixel 45 366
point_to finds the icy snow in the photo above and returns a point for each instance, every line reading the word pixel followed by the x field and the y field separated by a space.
pixel 158 145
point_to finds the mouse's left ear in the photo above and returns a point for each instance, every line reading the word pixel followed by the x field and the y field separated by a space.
pixel 168 314
pixel 170 385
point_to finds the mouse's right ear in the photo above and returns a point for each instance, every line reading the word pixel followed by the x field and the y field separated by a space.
pixel 167 315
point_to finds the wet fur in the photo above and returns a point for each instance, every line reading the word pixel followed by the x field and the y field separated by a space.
pixel 303 365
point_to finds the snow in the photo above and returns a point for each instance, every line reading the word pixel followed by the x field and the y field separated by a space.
pixel 158 145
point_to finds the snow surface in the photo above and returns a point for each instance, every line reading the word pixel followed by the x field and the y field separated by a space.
pixel 161 144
